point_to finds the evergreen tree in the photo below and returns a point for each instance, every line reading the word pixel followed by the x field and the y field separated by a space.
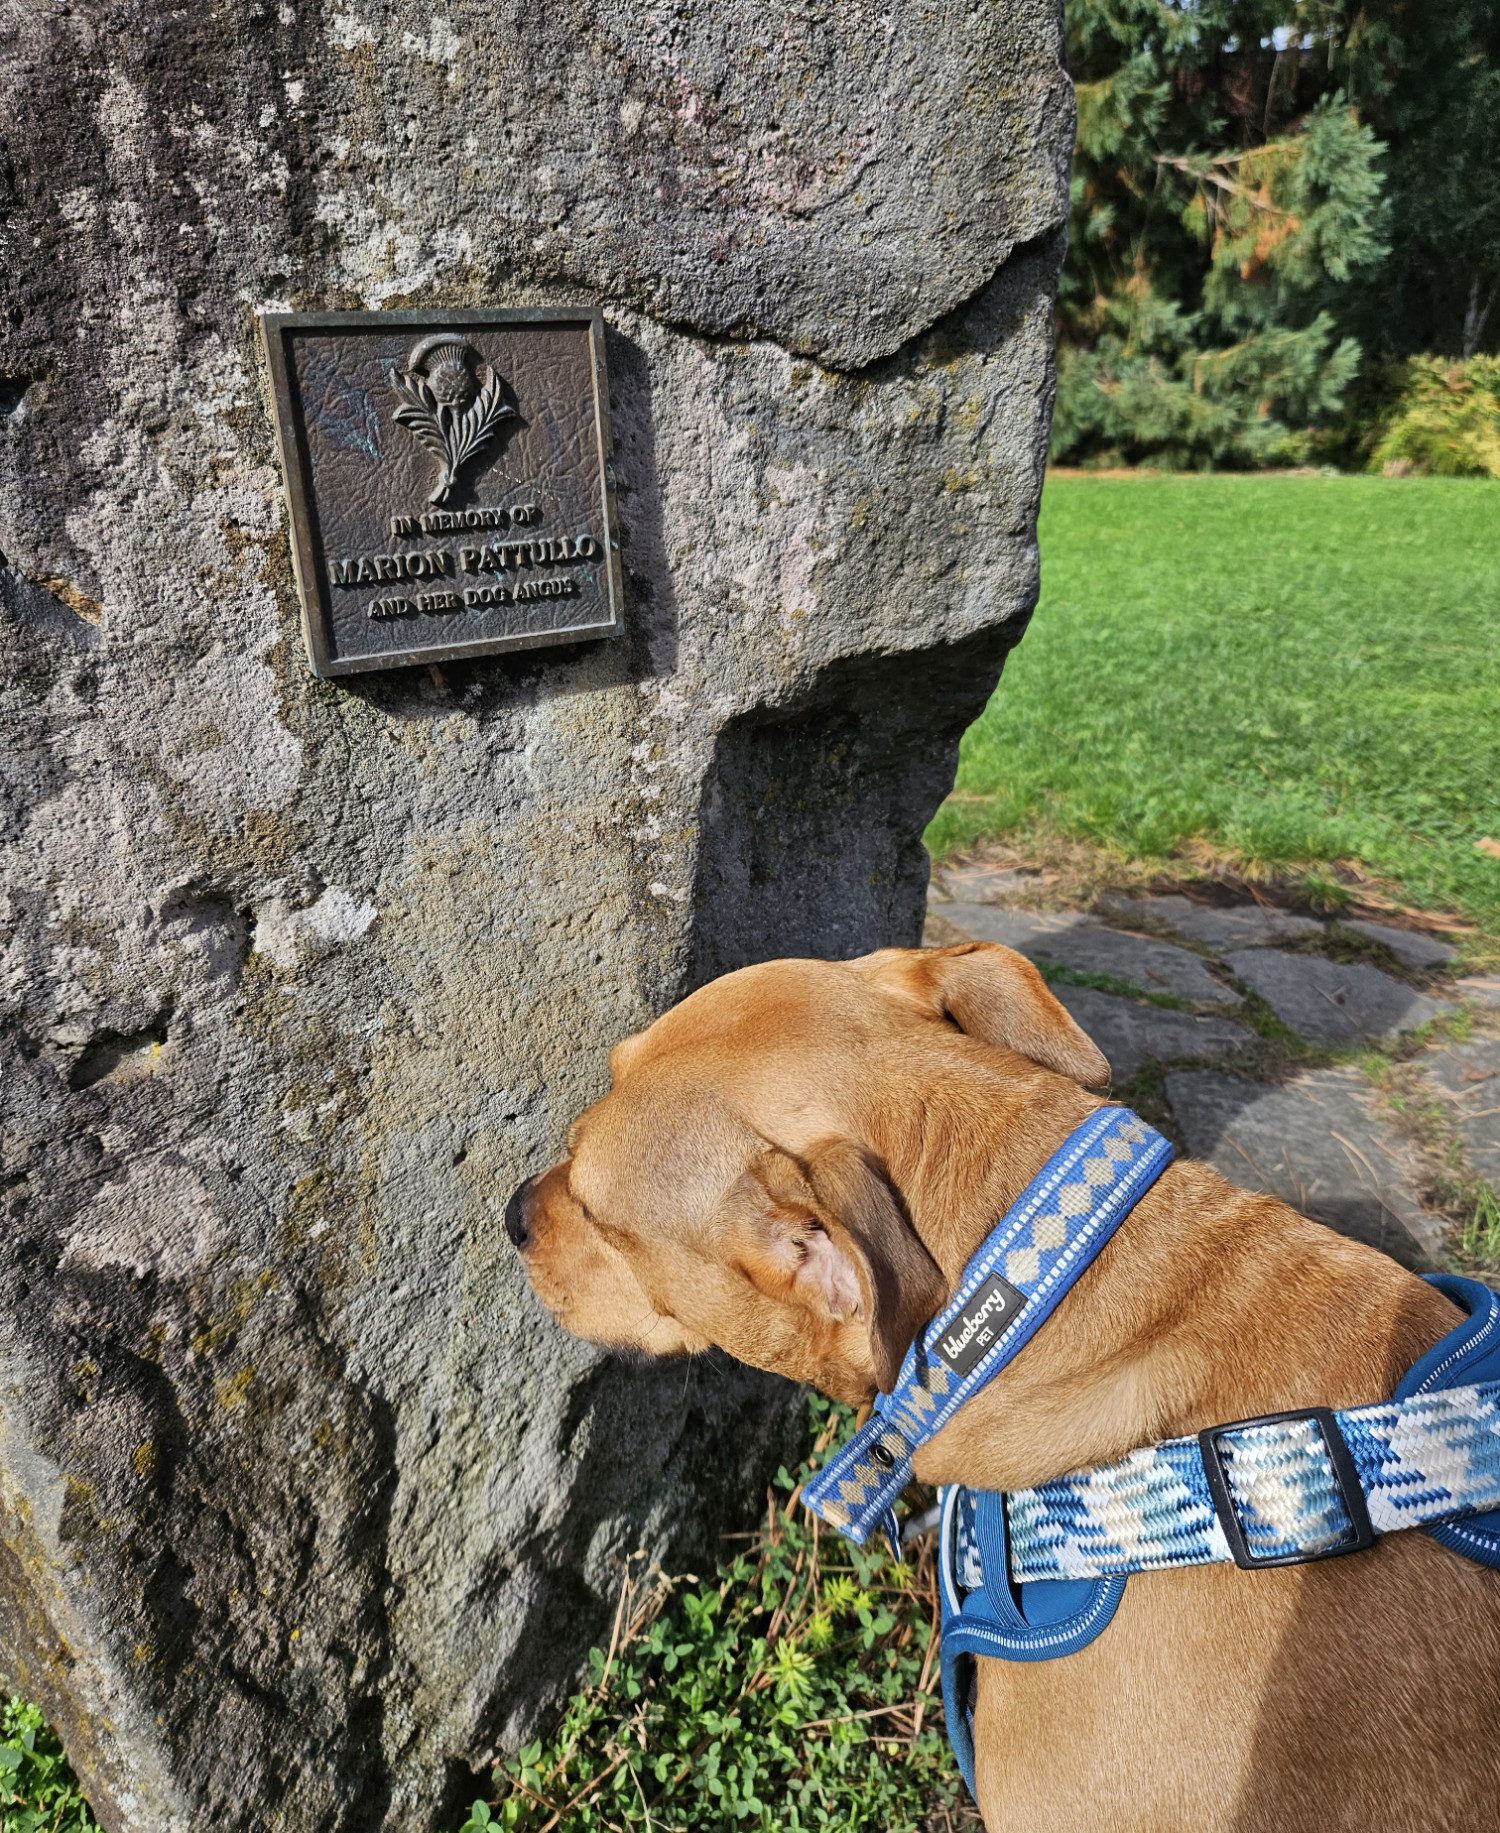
pixel 1428 78
pixel 1253 181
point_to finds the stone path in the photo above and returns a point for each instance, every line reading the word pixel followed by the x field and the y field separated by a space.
pixel 1132 1033
pixel 1181 993
pixel 1317 1141
pixel 1467 1078
pixel 1335 1001
pixel 1070 940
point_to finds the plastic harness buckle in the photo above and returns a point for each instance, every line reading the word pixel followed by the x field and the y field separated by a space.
pixel 1345 1476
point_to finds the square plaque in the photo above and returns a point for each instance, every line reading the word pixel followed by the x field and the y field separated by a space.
pixel 449 482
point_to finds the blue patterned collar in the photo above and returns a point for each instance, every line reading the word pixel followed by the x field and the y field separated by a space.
pixel 1025 1266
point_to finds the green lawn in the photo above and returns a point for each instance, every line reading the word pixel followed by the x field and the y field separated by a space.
pixel 1299 670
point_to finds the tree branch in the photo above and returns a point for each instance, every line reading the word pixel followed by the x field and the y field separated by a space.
pixel 1206 175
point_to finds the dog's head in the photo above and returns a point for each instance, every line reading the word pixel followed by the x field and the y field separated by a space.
pixel 751 1178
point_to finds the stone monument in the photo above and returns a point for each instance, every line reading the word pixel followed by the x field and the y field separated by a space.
pixel 306 1510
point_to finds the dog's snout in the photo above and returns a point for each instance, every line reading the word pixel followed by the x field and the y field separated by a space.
pixel 516 1224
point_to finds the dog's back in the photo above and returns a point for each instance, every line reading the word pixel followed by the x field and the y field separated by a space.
pixel 797 1164
pixel 1357 1694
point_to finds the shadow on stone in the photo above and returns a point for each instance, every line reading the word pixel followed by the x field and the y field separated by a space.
pixel 1215 925
pixel 857 766
pixel 1072 941
pixel 1132 1033
pixel 1337 1001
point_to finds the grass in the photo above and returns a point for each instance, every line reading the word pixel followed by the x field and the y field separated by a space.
pixel 797 1688
pixel 1288 672
pixel 1479 1238
pixel 1471 1204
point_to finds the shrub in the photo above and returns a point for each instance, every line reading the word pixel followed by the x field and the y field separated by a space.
pixel 1446 421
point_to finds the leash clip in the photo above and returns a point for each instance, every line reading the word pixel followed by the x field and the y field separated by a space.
pixel 1345 1477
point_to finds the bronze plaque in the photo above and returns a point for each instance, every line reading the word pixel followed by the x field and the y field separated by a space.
pixel 449 481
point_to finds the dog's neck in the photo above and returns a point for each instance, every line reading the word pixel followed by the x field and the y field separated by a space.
pixel 1208 1305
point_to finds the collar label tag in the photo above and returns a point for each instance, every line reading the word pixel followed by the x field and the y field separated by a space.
pixel 979 1325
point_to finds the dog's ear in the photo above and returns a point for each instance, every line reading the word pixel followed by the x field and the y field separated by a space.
pixel 994 994
pixel 830 1235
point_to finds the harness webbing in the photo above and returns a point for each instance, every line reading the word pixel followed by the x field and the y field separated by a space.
pixel 1429 1458
pixel 1037 1573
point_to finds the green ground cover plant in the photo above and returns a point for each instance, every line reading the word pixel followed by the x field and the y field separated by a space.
pixel 1284 672
pixel 38 1791
pixel 797 1688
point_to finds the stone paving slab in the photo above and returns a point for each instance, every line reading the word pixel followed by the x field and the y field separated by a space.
pixel 1413 946
pixel 1131 1033
pixel 1467 1077
pixel 1242 926
pixel 1022 930
pixel 1075 942
pixel 1336 1001
pixel 1320 1143
pixel 981 884
pixel 1155 967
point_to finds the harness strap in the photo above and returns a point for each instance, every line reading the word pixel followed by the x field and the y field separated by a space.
pixel 1430 1455
pixel 1007 1622
pixel 1287 1489
pixel 1433 1458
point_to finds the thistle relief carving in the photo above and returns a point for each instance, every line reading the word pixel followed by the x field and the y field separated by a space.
pixel 446 406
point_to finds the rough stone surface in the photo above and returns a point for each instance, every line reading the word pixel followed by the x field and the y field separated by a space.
pixel 1132 1033
pixel 305 1507
pixel 1072 941
pixel 1320 1144
pixel 1323 1142
pixel 1334 1000
pixel 1216 926
pixel 1468 1077
pixel 1413 946
pixel 1481 990
pixel 1155 967
pixel 831 180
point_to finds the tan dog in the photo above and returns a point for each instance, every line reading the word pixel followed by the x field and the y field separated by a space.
pixel 795 1164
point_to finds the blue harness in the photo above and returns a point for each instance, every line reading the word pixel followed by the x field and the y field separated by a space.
pixel 1282 1490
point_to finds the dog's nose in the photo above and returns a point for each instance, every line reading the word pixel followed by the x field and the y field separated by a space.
pixel 516 1225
